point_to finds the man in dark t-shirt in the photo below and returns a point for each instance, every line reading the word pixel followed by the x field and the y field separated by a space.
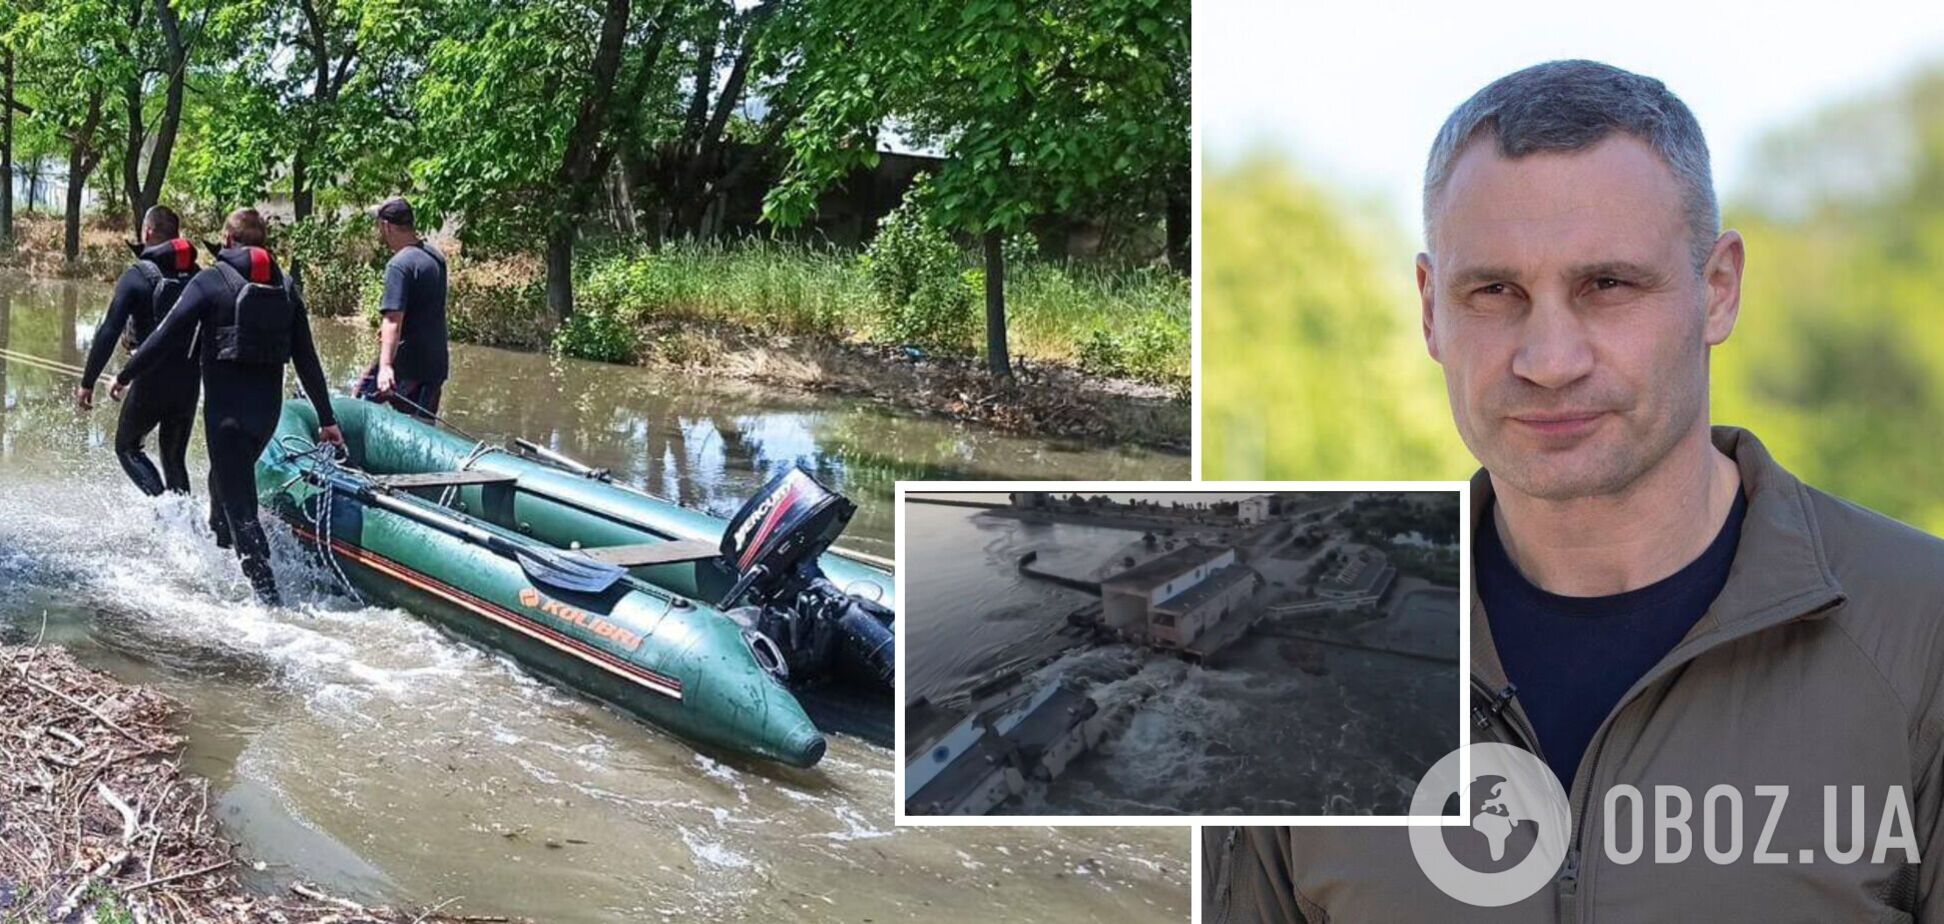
pixel 412 362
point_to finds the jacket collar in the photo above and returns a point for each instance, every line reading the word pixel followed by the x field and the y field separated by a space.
pixel 1781 570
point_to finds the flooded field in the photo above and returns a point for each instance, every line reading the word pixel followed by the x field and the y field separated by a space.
pixel 361 749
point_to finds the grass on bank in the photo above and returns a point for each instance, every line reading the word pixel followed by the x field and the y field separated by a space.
pixel 1131 323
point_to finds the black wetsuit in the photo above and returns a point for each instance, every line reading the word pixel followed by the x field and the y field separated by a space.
pixel 166 398
pixel 241 402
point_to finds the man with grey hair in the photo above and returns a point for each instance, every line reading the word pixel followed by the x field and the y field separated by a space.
pixel 1670 621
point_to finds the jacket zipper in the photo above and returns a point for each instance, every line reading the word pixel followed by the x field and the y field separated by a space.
pixel 1503 706
pixel 1580 798
pixel 1227 873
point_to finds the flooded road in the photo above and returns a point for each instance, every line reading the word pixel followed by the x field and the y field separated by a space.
pixel 361 749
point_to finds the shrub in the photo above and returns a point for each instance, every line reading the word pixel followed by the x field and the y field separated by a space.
pixel 498 303
pixel 598 333
pixel 922 295
pixel 340 263
pixel 768 287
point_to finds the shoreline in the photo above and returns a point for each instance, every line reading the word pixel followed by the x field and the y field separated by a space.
pixel 1045 399
pixel 100 821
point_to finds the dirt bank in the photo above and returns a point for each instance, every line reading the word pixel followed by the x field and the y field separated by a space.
pixel 98 824
pixel 1042 400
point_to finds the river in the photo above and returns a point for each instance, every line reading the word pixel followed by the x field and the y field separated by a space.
pixel 363 750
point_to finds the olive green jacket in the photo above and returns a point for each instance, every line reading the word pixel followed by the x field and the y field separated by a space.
pixel 1821 664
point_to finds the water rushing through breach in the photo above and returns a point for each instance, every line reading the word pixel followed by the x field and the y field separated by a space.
pixel 360 748
pixel 1273 726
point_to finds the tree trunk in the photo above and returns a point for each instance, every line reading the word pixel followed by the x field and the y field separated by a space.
pixel 1179 220
pixel 560 271
pixel 997 358
pixel 300 188
pixel 132 153
pixel 586 159
pixel 6 155
pixel 300 209
pixel 71 236
pixel 81 164
pixel 171 122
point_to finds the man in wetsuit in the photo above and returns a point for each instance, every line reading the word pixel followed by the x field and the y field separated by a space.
pixel 253 322
pixel 167 399
pixel 412 364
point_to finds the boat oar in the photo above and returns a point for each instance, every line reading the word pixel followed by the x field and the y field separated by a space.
pixel 551 567
pixel 574 466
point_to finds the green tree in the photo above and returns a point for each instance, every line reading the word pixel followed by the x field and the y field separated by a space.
pixel 155 47
pixel 1837 361
pixel 1313 365
pixel 69 53
pixel 685 152
pixel 310 95
pixel 522 105
pixel 1040 107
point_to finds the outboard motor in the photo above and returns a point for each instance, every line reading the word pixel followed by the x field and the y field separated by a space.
pixel 774 540
pixel 773 544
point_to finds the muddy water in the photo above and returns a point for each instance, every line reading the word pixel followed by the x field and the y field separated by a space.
pixel 362 749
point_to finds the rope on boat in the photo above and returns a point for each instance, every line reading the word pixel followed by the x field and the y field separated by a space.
pixel 480 450
pixel 324 456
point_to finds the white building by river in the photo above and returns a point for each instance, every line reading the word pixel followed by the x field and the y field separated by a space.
pixel 1172 599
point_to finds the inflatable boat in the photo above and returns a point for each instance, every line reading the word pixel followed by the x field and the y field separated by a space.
pixel 717 631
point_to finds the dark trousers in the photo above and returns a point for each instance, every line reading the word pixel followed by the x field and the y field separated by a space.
pixel 240 411
pixel 233 505
pixel 420 399
pixel 172 418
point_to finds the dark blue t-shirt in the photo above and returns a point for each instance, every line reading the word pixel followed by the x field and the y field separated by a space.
pixel 1572 658
pixel 415 283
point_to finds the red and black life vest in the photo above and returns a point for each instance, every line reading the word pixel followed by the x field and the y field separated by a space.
pixel 167 268
pixel 254 327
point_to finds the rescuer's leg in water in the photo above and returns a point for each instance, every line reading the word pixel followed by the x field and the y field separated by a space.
pixel 172 417
pixel 172 446
pixel 233 452
pixel 138 417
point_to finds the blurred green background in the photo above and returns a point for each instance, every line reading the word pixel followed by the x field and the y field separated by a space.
pixel 1313 366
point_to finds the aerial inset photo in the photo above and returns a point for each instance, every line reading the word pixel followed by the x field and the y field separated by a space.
pixel 1290 653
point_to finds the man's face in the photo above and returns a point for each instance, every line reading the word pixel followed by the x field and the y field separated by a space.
pixel 1564 306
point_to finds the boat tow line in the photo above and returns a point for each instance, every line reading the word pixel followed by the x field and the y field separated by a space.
pixel 323 456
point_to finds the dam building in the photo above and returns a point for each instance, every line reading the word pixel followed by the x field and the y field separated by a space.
pixel 1171 600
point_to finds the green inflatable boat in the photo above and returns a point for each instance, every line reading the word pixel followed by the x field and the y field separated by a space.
pixel 717 631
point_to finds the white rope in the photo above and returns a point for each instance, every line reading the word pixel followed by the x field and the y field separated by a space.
pixel 324 456
pixel 480 450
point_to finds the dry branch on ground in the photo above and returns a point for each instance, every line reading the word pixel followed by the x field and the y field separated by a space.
pixel 98 823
